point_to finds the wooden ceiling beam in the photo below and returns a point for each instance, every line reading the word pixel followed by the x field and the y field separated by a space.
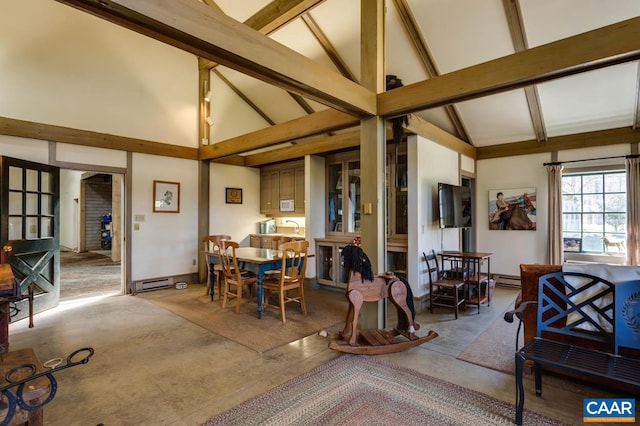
pixel 516 27
pixel 319 122
pixel 279 13
pixel 602 47
pixel 209 33
pixel 48 132
pixel 435 134
pixel 617 136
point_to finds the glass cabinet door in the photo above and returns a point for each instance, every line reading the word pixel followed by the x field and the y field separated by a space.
pixel 353 197
pixel 334 195
pixel 401 217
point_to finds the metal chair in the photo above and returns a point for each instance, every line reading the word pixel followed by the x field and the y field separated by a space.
pixel 443 291
pixel 291 277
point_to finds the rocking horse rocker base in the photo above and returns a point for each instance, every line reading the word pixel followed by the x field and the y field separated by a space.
pixel 363 287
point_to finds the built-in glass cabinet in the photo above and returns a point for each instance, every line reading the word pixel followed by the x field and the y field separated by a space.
pixel 343 197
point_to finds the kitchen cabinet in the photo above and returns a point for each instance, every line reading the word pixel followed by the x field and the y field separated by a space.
pixel 282 183
pixel 329 263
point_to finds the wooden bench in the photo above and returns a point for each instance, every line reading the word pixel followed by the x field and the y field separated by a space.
pixel 575 307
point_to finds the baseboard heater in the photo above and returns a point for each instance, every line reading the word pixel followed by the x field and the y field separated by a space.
pixel 507 280
pixel 153 284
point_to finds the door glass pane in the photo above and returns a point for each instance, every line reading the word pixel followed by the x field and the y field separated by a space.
pixel 46 182
pixel 15 203
pixel 32 180
pixel 32 204
pixel 15 178
pixel 334 193
pixel 46 228
pixel 47 204
pixel 32 228
pixel 15 228
pixel 353 196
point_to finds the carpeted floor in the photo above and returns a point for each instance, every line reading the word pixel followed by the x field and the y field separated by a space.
pixel 362 390
pixel 325 309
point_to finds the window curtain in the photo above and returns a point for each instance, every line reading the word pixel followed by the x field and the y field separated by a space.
pixel 632 166
pixel 555 248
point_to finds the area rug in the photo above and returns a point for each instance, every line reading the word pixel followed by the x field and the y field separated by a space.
pixel 325 309
pixel 362 390
pixel 495 347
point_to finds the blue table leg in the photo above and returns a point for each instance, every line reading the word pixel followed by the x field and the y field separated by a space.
pixel 261 270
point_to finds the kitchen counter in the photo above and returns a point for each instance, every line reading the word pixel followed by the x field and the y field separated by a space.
pixel 266 240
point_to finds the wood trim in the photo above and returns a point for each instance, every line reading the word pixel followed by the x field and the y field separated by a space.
pixel 208 33
pixel 559 143
pixel 435 134
pixel 599 48
pixel 32 130
pixel 278 13
pixel 318 122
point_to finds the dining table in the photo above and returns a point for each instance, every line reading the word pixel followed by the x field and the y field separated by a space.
pixel 256 260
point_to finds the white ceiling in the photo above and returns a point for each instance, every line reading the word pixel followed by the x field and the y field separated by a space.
pixel 460 34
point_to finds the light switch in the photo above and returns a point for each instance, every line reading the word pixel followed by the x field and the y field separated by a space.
pixel 367 208
pixel 138 218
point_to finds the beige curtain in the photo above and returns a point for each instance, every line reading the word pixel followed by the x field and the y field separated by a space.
pixel 632 166
pixel 555 247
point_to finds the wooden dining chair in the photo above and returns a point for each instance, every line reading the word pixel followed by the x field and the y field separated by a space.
pixel 443 291
pixel 235 279
pixel 290 279
pixel 212 244
pixel 277 240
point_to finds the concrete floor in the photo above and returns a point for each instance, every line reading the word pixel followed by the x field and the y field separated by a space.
pixel 152 367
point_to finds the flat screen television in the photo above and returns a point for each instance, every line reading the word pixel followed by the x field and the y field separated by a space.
pixel 454 206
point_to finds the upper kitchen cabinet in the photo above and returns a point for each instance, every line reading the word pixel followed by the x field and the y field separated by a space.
pixel 282 190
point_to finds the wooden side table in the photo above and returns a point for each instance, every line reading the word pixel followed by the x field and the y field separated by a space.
pixel 34 392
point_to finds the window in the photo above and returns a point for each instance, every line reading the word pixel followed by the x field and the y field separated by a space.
pixel 594 210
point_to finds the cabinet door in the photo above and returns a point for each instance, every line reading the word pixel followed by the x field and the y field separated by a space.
pixel 325 264
pixel 254 241
pixel 287 185
pixel 299 190
pixel 269 201
pixel 266 242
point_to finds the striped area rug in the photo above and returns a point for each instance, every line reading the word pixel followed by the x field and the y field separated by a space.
pixel 361 390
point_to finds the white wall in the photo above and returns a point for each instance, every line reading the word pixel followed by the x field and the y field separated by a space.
pixel 166 243
pixel 315 205
pixel 236 220
pixel 69 214
pixel 511 248
pixel 65 67
pixel 428 163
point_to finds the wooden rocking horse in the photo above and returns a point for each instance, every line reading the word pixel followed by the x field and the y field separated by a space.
pixel 364 287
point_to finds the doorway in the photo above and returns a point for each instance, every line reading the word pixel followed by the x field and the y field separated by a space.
pixel 90 234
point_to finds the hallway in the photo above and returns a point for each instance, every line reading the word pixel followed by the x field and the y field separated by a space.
pixel 152 367
pixel 87 274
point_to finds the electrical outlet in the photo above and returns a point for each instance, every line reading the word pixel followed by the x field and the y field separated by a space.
pixel 193 262
pixel 136 226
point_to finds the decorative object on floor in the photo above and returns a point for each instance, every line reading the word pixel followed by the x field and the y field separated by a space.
pixel 233 195
pixel 194 305
pixel 364 287
pixel 512 209
pixel 36 385
pixel 166 197
pixel 355 390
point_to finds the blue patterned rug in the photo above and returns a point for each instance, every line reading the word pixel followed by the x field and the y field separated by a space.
pixel 361 390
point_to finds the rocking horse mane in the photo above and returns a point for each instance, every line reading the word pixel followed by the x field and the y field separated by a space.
pixel 356 260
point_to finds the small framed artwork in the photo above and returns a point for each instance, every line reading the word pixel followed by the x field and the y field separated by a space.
pixel 233 195
pixel 166 197
pixel 573 245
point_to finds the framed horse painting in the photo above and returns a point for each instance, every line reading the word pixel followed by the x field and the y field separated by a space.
pixel 512 209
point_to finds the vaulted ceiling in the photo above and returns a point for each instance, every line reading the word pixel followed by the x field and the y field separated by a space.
pixel 503 77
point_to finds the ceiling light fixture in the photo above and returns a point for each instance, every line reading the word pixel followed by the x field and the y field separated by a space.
pixel 209 121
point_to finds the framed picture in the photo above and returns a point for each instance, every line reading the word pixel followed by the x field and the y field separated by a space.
pixel 233 196
pixel 512 209
pixel 573 245
pixel 166 197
